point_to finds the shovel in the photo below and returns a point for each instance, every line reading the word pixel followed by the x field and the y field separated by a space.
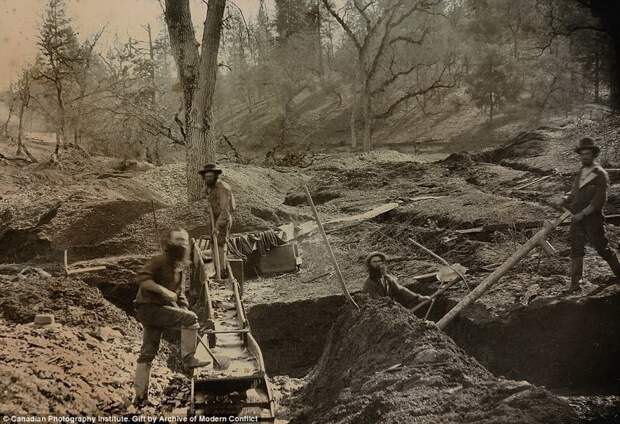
pixel 218 363
pixel 214 246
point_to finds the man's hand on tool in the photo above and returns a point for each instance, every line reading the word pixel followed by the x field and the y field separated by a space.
pixel 578 216
pixel 169 295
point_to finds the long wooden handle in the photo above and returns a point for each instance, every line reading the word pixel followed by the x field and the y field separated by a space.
pixel 329 249
pixel 501 270
pixel 215 249
pixel 215 359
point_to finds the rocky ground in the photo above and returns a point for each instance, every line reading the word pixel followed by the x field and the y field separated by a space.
pixel 102 213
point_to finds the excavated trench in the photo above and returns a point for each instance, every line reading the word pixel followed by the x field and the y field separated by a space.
pixel 571 347
pixel 568 346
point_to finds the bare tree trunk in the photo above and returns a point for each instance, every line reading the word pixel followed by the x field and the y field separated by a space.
pixel 353 123
pixel 367 119
pixel 8 119
pixel 21 147
pixel 60 124
pixel 202 109
pixel 20 129
pixel 319 47
pixel 597 76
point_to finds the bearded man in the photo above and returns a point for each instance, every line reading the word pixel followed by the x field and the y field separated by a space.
pixel 222 203
pixel 586 201
pixel 160 304
pixel 382 284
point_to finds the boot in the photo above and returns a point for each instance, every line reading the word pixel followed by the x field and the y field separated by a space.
pixel 141 383
pixel 612 259
pixel 189 337
pixel 576 273
pixel 223 263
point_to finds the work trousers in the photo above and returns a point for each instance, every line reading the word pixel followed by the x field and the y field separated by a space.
pixel 156 318
pixel 592 229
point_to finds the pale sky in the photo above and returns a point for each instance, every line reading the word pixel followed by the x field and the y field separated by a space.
pixel 19 20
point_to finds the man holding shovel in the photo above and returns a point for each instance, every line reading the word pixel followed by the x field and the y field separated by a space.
pixel 161 303
pixel 220 205
pixel 586 201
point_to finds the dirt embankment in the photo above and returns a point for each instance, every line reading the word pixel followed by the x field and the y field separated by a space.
pixel 94 210
pixel 82 365
pixel 382 364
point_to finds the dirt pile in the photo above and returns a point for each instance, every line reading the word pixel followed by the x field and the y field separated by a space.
pixel 73 302
pixel 550 148
pixel 382 364
pixel 68 371
pixel 82 364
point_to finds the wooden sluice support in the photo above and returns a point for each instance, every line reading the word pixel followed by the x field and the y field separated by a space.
pixel 539 239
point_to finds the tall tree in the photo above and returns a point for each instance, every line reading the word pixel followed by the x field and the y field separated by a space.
pixel 23 90
pixel 380 32
pixel 12 98
pixel 197 69
pixel 81 75
pixel 492 84
pixel 58 53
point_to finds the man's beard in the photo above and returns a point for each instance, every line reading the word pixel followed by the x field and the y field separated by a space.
pixel 212 182
pixel 375 273
pixel 176 253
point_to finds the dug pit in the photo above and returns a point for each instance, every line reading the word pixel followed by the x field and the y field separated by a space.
pixel 570 347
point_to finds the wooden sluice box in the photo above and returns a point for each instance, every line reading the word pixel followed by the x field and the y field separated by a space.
pixel 242 389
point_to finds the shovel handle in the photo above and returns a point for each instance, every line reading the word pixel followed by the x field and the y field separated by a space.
pixel 217 361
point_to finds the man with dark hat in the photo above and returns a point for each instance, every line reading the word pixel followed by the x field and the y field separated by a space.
pixel 586 200
pixel 222 203
pixel 161 303
pixel 381 284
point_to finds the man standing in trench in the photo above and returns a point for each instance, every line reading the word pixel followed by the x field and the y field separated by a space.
pixel 222 203
pixel 586 200
pixel 381 284
pixel 161 303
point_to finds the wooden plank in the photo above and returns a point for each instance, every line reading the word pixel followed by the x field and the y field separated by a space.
pixel 82 270
pixel 366 215
pixel 309 227
pixel 531 183
pixel 524 225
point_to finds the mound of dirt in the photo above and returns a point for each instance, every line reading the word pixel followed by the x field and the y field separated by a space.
pixel 81 365
pixel 550 148
pixel 382 364
pixel 58 370
pixel 73 303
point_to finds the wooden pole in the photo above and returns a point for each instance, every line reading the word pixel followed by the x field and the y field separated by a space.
pixel 215 249
pixel 435 295
pixel 65 263
pixel 157 233
pixel 439 258
pixel 539 237
pixel 329 249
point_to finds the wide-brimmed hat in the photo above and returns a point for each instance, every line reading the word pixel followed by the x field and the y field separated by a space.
pixel 211 167
pixel 373 254
pixel 587 144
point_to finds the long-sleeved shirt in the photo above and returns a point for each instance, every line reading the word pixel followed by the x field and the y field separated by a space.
pixel 388 286
pixel 589 189
pixel 222 201
pixel 161 271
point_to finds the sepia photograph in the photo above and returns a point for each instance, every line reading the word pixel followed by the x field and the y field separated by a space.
pixel 310 211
